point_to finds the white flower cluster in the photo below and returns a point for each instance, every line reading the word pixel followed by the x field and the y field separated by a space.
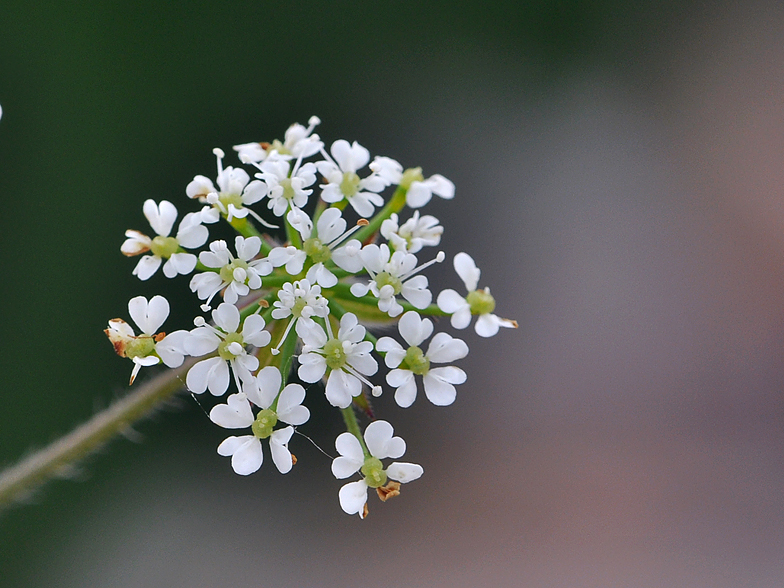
pixel 308 291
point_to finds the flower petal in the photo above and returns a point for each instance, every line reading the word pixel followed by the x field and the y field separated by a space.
pixel 248 457
pixel 445 348
pixel 404 472
pixel 353 497
pixel 467 270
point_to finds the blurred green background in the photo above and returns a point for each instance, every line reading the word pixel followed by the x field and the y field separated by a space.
pixel 618 181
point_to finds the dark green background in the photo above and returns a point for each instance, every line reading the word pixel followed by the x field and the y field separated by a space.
pixel 106 104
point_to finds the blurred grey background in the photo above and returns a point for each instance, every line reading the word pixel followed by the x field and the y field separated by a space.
pixel 619 174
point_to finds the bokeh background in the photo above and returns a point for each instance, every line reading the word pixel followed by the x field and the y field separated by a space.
pixel 619 170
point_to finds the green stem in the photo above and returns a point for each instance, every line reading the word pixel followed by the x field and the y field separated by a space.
pixel 352 426
pixel 20 480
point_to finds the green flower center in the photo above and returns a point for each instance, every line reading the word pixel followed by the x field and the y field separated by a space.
pixel 334 354
pixel 223 347
pixel 139 347
pixel 279 147
pixel 481 302
pixel 350 184
pixel 416 361
pixel 264 423
pixel 316 250
pixel 374 473
pixel 385 278
pixel 227 198
pixel 164 247
pixel 227 271
pixel 288 191
pixel 413 174
pixel 296 310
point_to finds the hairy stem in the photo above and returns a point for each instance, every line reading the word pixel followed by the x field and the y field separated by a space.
pixel 23 478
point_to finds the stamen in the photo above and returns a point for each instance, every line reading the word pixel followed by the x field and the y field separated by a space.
pixel 135 372
pixel 220 155
pixel 206 306
pixel 329 328
pixel 363 222
pixel 312 122
pixel 276 349
pixel 234 371
pixel 261 220
pixel 438 259
pixel 328 157
pixel 362 379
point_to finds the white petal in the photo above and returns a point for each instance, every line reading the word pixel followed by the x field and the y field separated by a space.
pixel 281 456
pixel 415 291
pixel 341 388
pixel 414 329
pixel 394 351
pixel 441 186
pixel 192 233
pixel 467 270
pixel 379 440
pixel 202 340
pixel 248 456
pixel 267 387
pixel 348 446
pixel 353 497
pixel 172 348
pixel 450 301
pixel 462 318
pixel 253 331
pixel 157 311
pixel 437 389
pixel 290 409
pixel 347 257
pixel 161 216
pixel 445 348
pixel 235 414
pixel 227 317
pixel 330 225
pixel 490 323
pixel 404 472
pixel 418 195
pixel 398 377
pixel 147 266
pixel 312 367
pixel 406 393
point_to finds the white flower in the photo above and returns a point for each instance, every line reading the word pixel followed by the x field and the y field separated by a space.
pixel 239 275
pixel 386 168
pixel 191 234
pixel 323 246
pixel 443 348
pixel 287 190
pixel 478 302
pixel 235 192
pixel 414 234
pixel 213 373
pixel 301 301
pixel 147 348
pixel 299 142
pixel 393 275
pixel 343 181
pixel 381 445
pixel 347 357
pixel 245 451
pixel 421 191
